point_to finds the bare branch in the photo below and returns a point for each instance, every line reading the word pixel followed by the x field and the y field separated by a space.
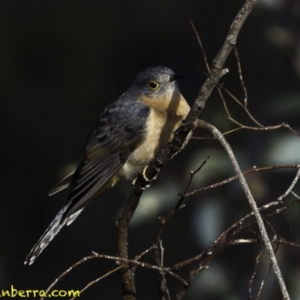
pixel 201 46
pixel 98 279
pixel 253 205
pixel 126 273
pixel 241 77
pixel 288 191
pixel 265 278
pixel 227 237
pixel 254 169
pixel 257 260
pixel 81 261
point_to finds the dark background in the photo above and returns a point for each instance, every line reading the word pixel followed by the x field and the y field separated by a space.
pixel 62 62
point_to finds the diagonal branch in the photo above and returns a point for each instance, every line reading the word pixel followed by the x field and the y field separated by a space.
pixel 218 135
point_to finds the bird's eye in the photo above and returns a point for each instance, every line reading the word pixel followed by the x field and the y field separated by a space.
pixel 153 85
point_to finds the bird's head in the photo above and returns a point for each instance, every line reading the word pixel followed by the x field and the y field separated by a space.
pixel 156 82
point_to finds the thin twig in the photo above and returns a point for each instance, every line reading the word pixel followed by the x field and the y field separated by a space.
pixel 241 77
pixel 243 106
pixel 163 287
pixel 92 256
pixel 201 46
pixel 141 264
pixel 232 178
pixel 227 238
pixel 265 278
pixel 241 126
pixel 257 260
pixel 192 174
pixel 288 191
pixel 179 205
pixel 81 261
pixel 98 279
pixel 295 195
pixel 228 235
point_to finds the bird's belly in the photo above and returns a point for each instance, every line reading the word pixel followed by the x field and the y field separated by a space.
pixel 139 159
pixel 158 133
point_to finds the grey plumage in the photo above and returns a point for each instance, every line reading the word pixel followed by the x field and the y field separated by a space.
pixel 127 136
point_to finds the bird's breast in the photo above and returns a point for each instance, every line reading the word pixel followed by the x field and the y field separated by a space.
pixel 159 131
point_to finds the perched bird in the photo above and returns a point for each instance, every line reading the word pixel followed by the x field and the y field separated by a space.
pixel 128 135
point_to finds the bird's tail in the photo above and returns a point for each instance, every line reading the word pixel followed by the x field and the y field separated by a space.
pixel 56 225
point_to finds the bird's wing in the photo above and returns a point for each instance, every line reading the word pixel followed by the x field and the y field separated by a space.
pixel 63 184
pixel 119 131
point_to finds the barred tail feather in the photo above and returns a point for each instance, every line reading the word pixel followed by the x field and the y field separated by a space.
pixel 53 229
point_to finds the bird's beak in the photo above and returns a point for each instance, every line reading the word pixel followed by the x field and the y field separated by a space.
pixel 175 77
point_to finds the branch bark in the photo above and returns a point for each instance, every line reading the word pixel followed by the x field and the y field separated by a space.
pixel 126 273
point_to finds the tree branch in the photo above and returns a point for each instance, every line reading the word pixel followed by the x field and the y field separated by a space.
pixel 218 135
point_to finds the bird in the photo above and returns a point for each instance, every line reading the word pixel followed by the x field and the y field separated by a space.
pixel 127 136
